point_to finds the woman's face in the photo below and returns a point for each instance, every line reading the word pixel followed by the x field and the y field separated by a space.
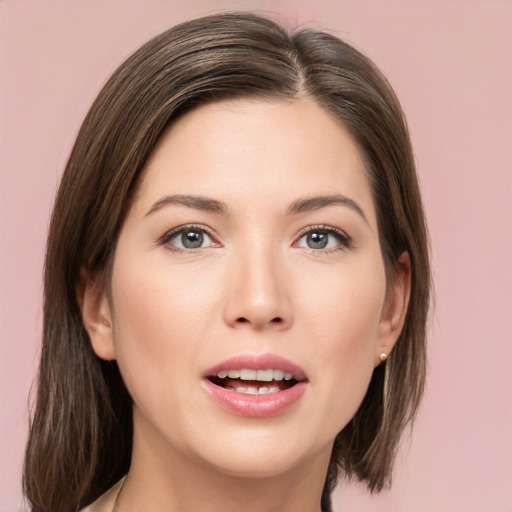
pixel 251 244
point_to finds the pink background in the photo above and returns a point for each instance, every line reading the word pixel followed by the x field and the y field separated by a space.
pixel 451 65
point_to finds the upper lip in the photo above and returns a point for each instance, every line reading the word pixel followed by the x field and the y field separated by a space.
pixel 258 362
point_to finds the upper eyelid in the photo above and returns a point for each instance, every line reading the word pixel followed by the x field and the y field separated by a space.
pixel 178 229
pixel 322 227
pixel 211 233
pixel 345 240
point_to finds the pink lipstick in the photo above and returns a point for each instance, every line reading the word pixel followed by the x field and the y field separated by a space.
pixel 256 386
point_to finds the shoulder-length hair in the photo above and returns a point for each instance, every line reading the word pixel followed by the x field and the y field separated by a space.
pixel 81 427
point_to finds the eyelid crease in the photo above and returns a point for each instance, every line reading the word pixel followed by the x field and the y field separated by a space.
pixel 322 227
pixel 345 240
pixel 168 235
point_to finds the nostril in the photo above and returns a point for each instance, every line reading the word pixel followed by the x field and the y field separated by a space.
pixel 276 320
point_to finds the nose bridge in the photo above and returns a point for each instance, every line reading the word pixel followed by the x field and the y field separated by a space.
pixel 257 288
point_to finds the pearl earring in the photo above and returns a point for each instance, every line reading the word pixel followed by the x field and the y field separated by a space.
pixel 383 357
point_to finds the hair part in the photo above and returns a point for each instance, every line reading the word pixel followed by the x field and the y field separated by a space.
pixel 81 429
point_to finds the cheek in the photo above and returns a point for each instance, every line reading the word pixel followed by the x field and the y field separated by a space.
pixel 345 311
pixel 160 320
pixel 344 306
pixel 156 301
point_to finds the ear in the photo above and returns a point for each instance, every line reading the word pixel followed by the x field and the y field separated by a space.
pixel 96 315
pixel 395 308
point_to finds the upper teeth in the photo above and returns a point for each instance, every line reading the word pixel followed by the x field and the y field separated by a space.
pixel 263 375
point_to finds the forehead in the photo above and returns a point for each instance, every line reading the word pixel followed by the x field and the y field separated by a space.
pixel 241 149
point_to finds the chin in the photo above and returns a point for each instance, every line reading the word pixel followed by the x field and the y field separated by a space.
pixel 258 457
pixel 256 466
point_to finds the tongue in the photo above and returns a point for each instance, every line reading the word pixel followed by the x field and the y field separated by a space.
pixel 234 383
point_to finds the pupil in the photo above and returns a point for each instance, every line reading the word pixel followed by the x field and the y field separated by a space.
pixel 317 240
pixel 192 239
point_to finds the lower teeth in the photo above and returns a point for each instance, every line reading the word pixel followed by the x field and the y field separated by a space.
pixel 251 390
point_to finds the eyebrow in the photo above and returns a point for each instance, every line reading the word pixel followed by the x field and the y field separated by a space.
pixel 299 206
pixel 309 204
pixel 196 202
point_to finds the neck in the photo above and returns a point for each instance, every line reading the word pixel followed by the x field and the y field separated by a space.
pixel 163 479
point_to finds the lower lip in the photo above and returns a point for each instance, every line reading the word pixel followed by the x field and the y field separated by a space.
pixel 255 406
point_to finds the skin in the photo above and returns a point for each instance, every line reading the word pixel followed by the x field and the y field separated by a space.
pixel 256 286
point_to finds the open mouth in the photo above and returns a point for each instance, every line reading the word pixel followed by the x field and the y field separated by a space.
pixel 256 385
pixel 254 382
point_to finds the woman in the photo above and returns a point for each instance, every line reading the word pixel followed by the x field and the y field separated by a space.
pixel 236 280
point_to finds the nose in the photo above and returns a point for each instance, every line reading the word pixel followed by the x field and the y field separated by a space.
pixel 257 293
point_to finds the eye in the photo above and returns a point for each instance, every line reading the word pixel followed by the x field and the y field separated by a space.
pixel 323 238
pixel 188 238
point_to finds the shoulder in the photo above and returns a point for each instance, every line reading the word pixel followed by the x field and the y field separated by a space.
pixel 105 503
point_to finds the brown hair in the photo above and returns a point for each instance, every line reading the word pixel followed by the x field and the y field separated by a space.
pixel 80 434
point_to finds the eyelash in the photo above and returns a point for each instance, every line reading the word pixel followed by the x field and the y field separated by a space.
pixel 167 237
pixel 345 241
